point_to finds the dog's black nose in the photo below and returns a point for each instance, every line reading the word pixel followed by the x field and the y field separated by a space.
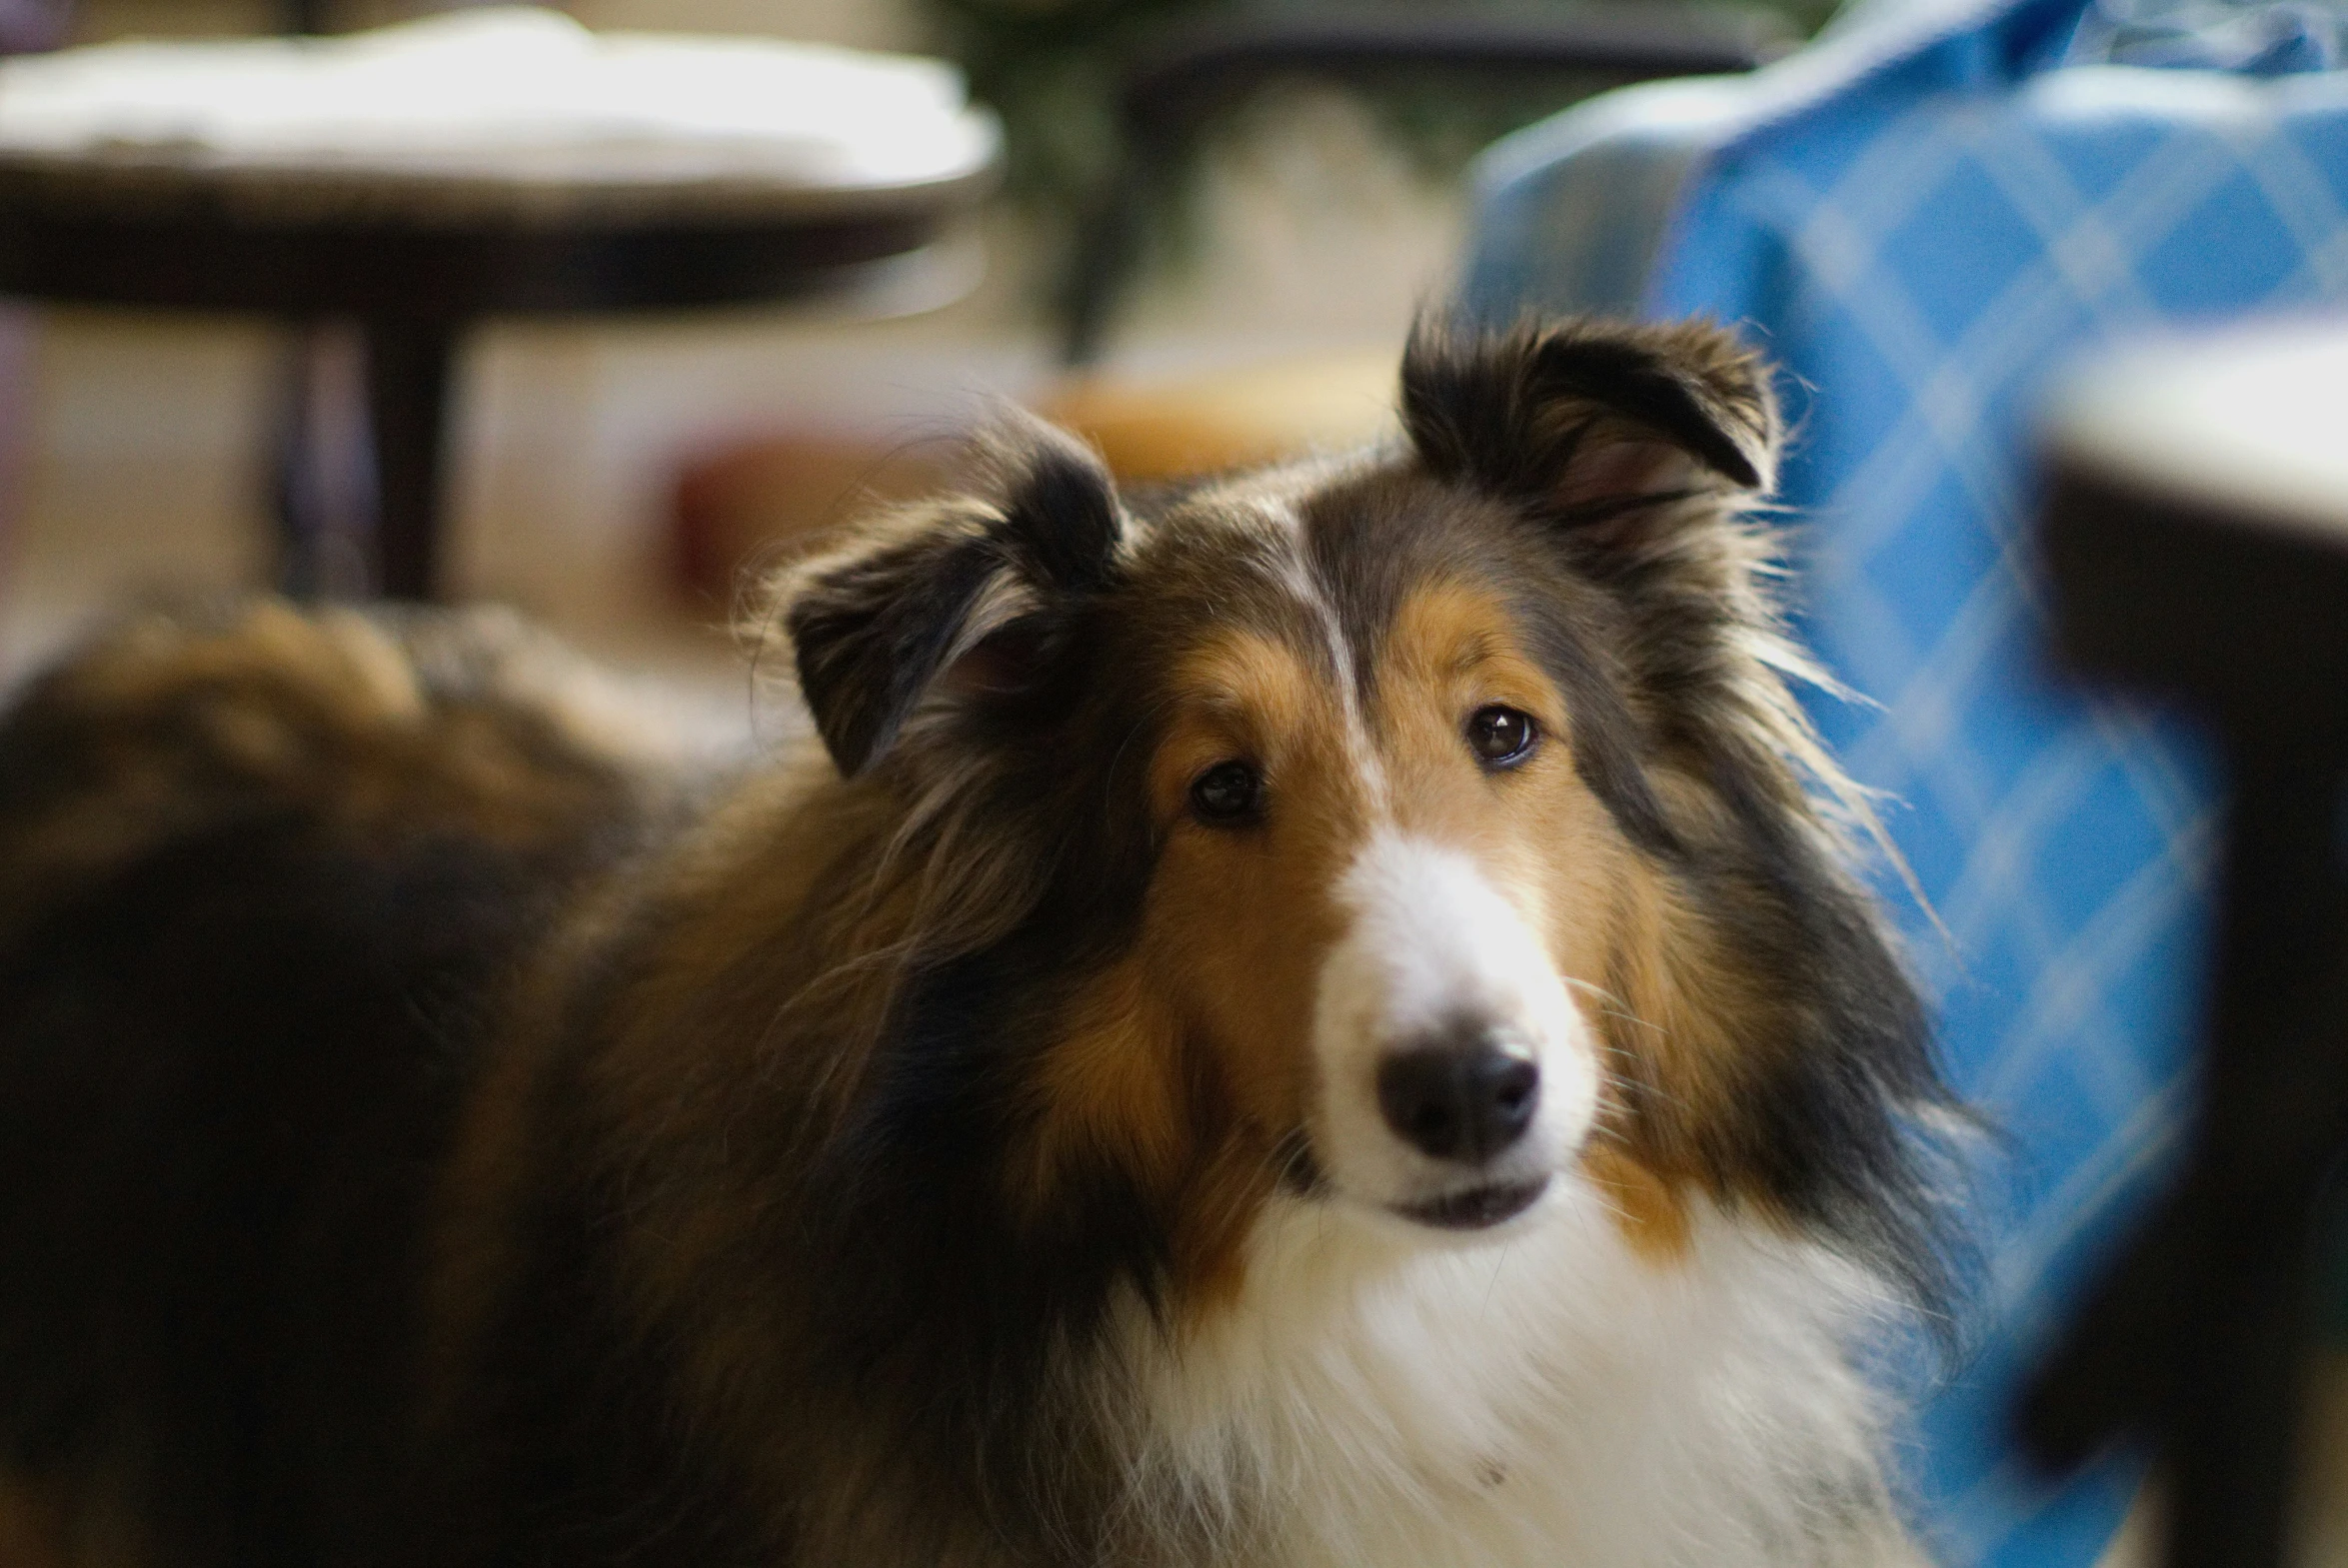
pixel 1462 1098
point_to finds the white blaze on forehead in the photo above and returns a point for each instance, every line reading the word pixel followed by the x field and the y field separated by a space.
pixel 1293 573
pixel 1433 943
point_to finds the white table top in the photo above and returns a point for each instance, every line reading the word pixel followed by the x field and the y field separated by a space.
pixel 512 107
pixel 2251 421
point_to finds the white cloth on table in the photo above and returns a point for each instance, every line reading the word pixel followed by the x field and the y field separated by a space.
pixel 517 94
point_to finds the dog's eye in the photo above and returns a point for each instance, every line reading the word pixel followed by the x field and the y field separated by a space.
pixel 1226 794
pixel 1500 736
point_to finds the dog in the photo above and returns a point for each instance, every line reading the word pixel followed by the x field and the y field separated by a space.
pixel 1327 1015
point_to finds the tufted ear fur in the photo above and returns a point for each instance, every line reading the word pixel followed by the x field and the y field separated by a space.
pixel 1590 421
pixel 962 590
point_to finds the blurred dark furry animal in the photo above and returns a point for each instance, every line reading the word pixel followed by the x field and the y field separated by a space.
pixel 1324 1017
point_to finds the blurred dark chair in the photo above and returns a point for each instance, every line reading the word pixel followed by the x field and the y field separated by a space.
pixel 737 506
pixel 1170 93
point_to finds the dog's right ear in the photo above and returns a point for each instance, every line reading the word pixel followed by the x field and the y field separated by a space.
pixel 976 579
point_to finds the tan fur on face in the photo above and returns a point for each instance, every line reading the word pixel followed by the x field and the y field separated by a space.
pixel 1684 1020
pixel 1188 1058
pixel 1650 1210
pixel 1681 1066
pixel 1189 1061
pixel 1538 832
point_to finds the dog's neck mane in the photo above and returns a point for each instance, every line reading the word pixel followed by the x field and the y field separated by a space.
pixel 1561 1397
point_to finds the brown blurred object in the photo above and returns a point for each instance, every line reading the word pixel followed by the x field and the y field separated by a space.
pixel 744 506
pixel 1162 427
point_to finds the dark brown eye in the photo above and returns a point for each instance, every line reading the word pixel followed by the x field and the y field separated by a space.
pixel 1500 736
pixel 1226 794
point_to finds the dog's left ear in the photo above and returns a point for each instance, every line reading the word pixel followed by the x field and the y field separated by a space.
pixel 959 596
pixel 1589 422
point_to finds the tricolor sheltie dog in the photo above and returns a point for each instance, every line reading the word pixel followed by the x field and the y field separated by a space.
pixel 1322 1017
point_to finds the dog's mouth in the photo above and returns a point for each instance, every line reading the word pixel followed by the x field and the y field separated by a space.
pixel 1477 1208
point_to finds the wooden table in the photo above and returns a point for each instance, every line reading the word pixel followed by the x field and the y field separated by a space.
pixel 341 220
pixel 2196 540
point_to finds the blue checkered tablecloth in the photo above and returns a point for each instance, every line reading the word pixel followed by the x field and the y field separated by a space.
pixel 1923 220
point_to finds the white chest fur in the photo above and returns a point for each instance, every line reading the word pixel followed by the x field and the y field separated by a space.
pixel 1546 1397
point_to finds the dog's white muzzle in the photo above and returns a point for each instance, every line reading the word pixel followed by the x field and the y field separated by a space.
pixel 1458 1074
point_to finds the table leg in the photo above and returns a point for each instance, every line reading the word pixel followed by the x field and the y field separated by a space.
pixel 322 464
pixel 2274 1111
pixel 303 497
pixel 409 361
pixel 2201 1332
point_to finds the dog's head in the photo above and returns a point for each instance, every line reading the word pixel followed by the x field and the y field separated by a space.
pixel 1411 831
